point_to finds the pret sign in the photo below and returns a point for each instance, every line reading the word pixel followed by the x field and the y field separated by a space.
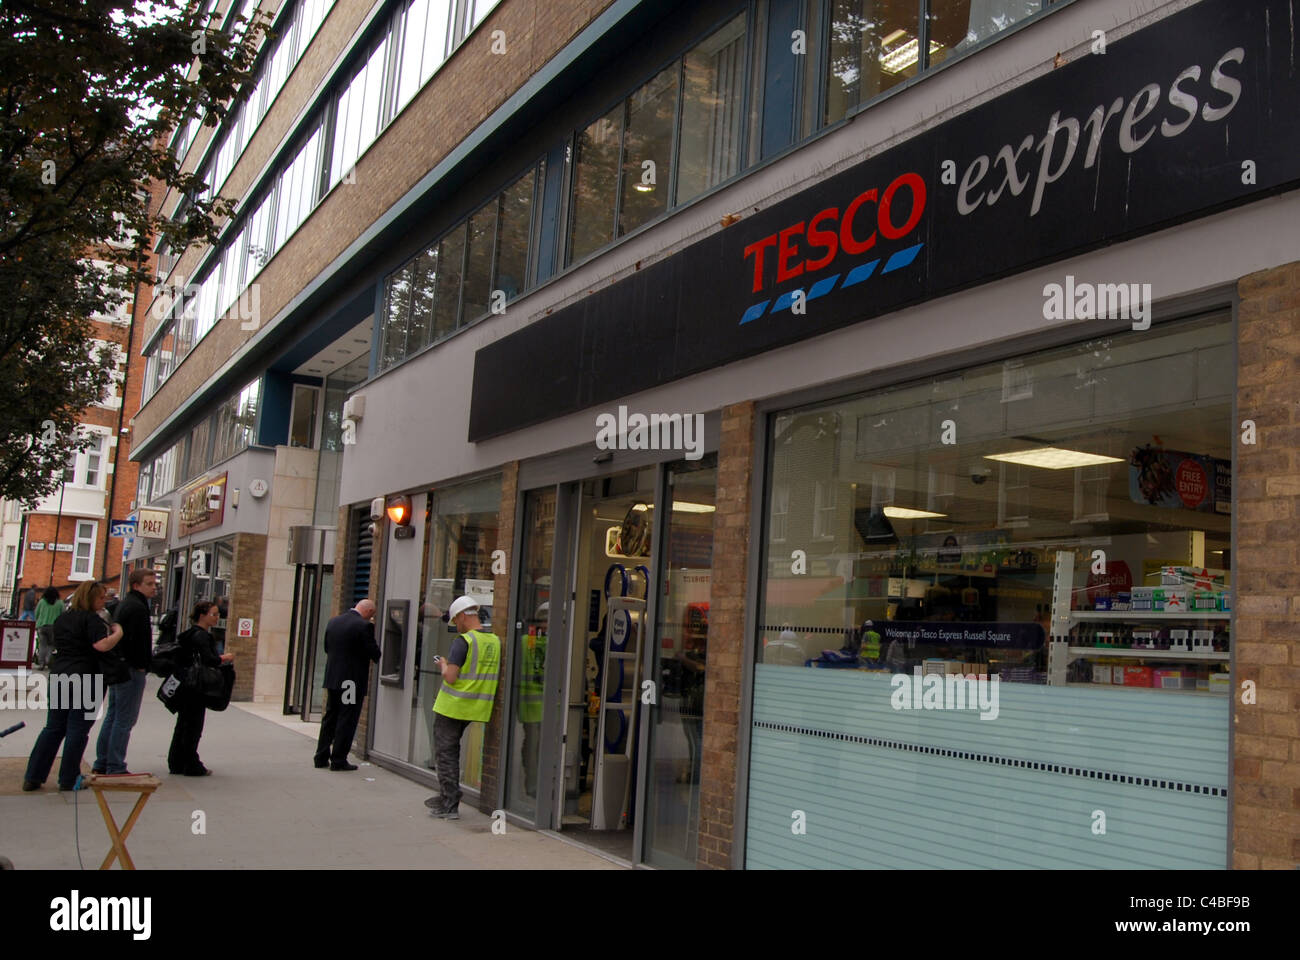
pixel 153 524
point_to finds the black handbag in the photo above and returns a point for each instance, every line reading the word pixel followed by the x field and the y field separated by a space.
pixel 111 662
pixel 219 703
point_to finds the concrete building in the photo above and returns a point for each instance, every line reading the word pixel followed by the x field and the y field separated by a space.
pixel 697 336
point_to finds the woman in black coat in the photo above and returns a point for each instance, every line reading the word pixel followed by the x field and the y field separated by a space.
pixel 80 635
pixel 195 643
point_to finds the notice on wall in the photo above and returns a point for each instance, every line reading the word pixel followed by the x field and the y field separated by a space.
pixel 16 642
pixel 245 627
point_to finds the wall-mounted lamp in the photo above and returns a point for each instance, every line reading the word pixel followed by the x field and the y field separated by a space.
pixel 399 512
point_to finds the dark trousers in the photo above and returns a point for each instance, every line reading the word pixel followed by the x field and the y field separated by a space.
pixel 337 728
pixel 447 732
pixel 69 727
pixel 183 757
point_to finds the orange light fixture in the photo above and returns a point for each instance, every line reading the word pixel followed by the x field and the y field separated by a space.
pixel 399 509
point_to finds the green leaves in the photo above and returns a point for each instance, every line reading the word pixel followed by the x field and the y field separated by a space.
pixel 89 93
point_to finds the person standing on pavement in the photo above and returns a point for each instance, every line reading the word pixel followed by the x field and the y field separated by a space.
pixel 196 644
pixel 469 685
pixel 350 648
pixel 79 636
pixel 124 698
pixel 48 610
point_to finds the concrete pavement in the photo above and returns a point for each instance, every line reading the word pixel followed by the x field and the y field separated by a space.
pixel 264 807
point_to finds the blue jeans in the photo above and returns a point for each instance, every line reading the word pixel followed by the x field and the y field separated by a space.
pixel 66 727
pixel 123 709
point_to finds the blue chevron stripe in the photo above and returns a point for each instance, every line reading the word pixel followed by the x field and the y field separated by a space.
pixel 754 312
pixel 859 273
pixel 902 258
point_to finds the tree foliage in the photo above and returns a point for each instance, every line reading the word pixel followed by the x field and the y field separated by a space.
pixel 89 91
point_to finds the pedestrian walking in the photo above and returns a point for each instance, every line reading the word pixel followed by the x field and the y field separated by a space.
pixel 79 636
pixel 469 685
pixel 27 606
pixel 196 644
pixel 124 698
pixel 48 610
pixel 350 648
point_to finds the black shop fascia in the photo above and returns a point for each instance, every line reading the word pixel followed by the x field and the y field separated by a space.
pixel 1196 113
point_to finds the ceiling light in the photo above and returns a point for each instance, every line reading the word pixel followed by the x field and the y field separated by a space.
pixel 904 56
pixel 1053 458
pixel 896 35
pixel 907 513
pixel 681 506
pixel 644 188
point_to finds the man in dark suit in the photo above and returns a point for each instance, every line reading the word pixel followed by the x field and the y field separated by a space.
pixel 349 648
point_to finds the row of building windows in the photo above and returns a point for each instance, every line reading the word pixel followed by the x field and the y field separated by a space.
pixel 401 60
pixel 771 75
pixel 476 267
pixel 230 429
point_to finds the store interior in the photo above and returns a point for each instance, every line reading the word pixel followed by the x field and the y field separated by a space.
pixel 1082 495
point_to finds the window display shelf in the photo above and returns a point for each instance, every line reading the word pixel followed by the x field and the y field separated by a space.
pixel 1076 615
pixel 1221 655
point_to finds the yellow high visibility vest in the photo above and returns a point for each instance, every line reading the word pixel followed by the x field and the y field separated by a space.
pixel 530 679
pixel 471 696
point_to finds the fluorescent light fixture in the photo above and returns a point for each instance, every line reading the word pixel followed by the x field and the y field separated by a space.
pixel 1053 458
pixel 904 55
pixel 907 513
pixel 644 188
pixel 896 35
pixel 682 506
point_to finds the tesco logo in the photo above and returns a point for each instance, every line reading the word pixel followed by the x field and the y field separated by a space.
pixel 812 245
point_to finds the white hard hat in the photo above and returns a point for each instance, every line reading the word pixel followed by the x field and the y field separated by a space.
pixel 461 605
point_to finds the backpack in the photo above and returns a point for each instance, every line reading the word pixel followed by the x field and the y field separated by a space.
pixel 166 651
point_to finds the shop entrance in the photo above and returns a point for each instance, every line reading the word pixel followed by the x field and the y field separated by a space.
pixel 609 640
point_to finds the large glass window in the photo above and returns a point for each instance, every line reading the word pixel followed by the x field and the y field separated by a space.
pixel 595 184
pixel 648 151
pixel 958 25
pixel 1026 564
pixel 359 112
pixel 236 421
pixel 83 550
pixel 712 88
pixel 424 45
pixel 510 275
pixel 446 301
pixel 478 263
pixel 873 46
pixel 297 190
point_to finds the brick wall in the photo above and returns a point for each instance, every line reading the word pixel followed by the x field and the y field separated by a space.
pixel 246 601
pixel 490 794
pixel 1266 491
pixel 726 638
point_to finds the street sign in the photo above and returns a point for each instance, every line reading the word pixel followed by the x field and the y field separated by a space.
pixel 121 528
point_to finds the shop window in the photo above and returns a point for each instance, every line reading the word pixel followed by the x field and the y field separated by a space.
pixel 478 263
pixel 595 183
pixel 647 151
pixel 1110 532
pixel 713 78
pixel 83 550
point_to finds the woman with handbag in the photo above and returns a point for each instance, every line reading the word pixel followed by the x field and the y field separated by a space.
pixel 81 638
pixel 198 647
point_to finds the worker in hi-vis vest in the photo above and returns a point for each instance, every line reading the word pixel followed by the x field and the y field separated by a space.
pixel 469 684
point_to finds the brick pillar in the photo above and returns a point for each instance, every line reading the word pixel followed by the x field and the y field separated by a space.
pixel 1266 494
pixel 245 601
pixel 726 637
pixel 490 792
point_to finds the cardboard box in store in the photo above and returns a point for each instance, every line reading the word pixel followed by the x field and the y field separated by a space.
pixel 1137 676
pixel 1100 673
pixel 1219 682
pixel 1142 597
pixel 1167 679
